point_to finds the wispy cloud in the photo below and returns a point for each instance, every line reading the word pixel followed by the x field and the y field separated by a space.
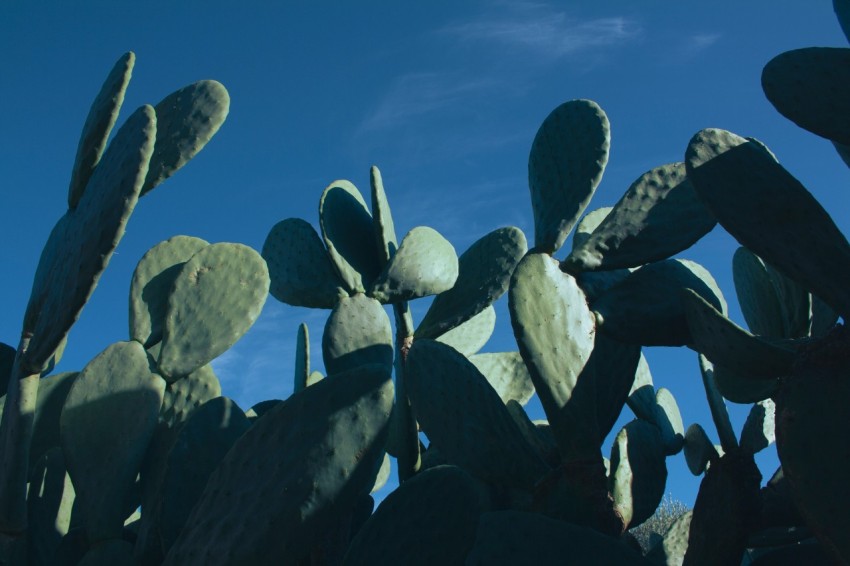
pixel 550 33
pixel 416 94
pixel 702 41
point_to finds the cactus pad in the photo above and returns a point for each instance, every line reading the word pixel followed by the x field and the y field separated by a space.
pixel 567 158
pixel 300 269
pixel 186 120
pixel 99 122
pixel 484 272
pixel 382 220
pixel 287 478
pixel 107 421
pixel 357 333
pixel 659 216
pixel 425 264
pixel 507 373
pixel 471 336
pixel 216 298
pixel 152 281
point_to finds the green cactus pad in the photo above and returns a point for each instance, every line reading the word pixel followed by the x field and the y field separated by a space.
pixel 7 360
pixel 151 284
pixel 464 417
pixel 507 373
pixel 186 120
pixel 287 478
pixel 641 398
pixel 567 158
pixel 357 333
pixel 646 308
pixel 726 511
pixel 78 252
pixel 185 395
pixel 742 388
pixel 51 498
pixel 638 472
pixel 672 548
pixel 811 428
pixel 105 426
pixel 425 264
pixel 789 229
pixel 471 336
pixel 507 538
pixel 347 231
pixel 727 344
pixel 717 405
pixel 300 269
pixel 758 432
pixel 659 216
pixel 588 224
pixel 757 296
pixel 382 220
pixel 199 447
pixel 216 298
pixel 612 367
pixel 431 519
pixel 99 122
pixel 669 421
pixel 555 332
pixel 484 272
pixel 699 450
pixel 302 359
pixel 383 474
pixel 811 87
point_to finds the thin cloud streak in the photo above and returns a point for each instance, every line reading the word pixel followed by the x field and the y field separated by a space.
pixel 702 41
pixel 551 34
pixel 416 94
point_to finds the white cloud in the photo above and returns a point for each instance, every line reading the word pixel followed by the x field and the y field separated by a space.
pixel 416 94
pixel 550 33
pixel 702 41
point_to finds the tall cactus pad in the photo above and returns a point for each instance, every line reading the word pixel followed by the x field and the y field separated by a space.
pixel 646 307
pixel 90 234
pixel 49 506
pixel 555 332
pixel 464 417
pixel 659 216
pixel 216 298
pixel 151 284
pixel 758 432
pixel 612 367
pixel 758 295
pixel 811 87
pixel 567 158
pixel 302 359
pixel 425 264
pixel 638 472
pixel 507 538
pixel 186 120
pixel 484 272
pixel 301 271
pixel 430 519
pixel 348 232
pixel 811 424
pixel 287 478
pixel 767 210
pixel 99 122
pixel 108 419
pixel 382 219
pixel 357 333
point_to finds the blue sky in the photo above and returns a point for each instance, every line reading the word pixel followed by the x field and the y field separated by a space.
pixel 445 97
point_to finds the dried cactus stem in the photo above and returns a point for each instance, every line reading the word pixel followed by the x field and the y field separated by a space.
pixel 15 438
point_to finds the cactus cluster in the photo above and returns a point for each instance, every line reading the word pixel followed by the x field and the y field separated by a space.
pixel 139 459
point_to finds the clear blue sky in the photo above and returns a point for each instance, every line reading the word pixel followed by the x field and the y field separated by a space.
pixel 445 97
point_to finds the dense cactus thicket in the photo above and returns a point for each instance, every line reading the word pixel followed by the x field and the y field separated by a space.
pixel 139 459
